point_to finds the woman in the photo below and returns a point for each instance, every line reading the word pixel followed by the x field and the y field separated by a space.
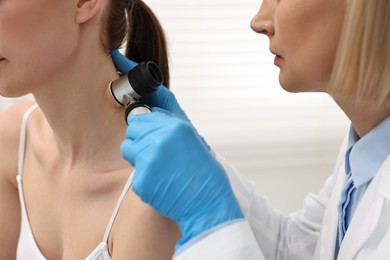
pixel 341 47
pixel 72 179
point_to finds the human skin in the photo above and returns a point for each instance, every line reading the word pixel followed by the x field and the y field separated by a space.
pixel 304 37
pixel 73 169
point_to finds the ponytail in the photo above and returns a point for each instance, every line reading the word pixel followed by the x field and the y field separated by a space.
pixel 134 22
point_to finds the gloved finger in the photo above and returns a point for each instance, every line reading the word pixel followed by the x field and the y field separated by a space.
pixel 168 113
pixel 122 63
pixel 161 110
pixel 145 124
pixel 139 185
pixel 128 151
pixel 165 99
pixel 134 151
pixel 162 98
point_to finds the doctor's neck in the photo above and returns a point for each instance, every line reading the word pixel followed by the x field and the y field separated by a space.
pixel 364 116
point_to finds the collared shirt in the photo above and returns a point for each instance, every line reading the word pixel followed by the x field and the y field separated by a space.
pixel 363 159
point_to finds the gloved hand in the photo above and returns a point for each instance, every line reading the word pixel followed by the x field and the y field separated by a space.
pixel 162 97
pixel 176 174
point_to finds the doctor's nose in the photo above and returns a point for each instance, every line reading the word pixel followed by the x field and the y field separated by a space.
pixel 263 21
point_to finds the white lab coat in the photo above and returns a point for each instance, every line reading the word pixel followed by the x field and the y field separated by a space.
pixel 307 234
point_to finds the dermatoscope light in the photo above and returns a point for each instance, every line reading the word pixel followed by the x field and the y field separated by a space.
pixel 128 89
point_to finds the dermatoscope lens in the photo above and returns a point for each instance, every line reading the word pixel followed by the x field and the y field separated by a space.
pixel 145 78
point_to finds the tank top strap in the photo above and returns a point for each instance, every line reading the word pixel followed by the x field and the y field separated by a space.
pixel 116 209
pixel 22 139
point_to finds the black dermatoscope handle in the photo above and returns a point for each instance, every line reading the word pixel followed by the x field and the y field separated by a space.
pixel 142 80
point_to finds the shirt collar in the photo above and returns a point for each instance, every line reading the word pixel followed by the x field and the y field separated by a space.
pixel 365 156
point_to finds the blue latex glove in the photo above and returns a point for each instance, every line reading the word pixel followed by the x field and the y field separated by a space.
pixel 175 172
pixel 177 175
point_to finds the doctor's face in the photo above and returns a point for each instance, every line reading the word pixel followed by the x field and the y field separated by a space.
pixel 37 37
pixel 303 36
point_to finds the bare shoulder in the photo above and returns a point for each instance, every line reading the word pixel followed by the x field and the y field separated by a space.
pixel 10 123
pixel 139 228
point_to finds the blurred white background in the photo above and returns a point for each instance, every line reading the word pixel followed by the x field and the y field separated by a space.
pixel 224 77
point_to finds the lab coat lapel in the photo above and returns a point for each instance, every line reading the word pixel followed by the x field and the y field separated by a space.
pixel 326 245
pixel 367 214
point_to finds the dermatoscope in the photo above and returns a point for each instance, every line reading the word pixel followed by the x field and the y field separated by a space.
pixel 145 78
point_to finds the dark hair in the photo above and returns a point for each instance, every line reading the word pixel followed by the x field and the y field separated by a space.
pixel 133 22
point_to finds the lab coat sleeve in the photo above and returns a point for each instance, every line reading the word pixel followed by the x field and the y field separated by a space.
pixel 231 241
pixel 280 236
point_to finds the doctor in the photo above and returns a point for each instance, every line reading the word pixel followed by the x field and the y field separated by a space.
pixel 217 210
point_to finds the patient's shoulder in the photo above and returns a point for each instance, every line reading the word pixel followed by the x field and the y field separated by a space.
pixel 10 124
pixel 138 228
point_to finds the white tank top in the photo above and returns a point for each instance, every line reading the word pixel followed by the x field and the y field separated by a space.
pixel 27 247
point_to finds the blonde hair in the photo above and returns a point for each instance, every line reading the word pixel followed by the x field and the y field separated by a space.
pixel 362 65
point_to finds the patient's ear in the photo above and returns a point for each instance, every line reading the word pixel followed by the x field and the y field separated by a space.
pixel 87 9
